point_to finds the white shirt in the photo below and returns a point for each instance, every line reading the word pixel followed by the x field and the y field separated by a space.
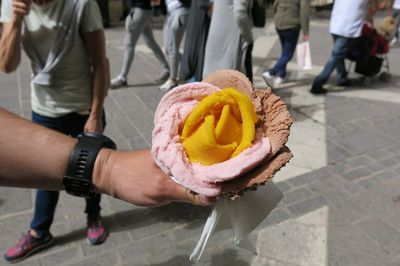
pixel 348 17
pixel 72 89
pixel 396 4
pixel 173 4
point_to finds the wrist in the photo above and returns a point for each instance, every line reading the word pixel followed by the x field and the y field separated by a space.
pixel 78 179
pixel 16 21
pixel 101 172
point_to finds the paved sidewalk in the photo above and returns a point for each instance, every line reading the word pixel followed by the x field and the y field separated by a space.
pixel 341 202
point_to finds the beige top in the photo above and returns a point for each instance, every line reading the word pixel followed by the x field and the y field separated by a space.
pixel 291 14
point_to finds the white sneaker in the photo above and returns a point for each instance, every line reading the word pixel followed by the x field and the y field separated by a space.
pixel 168 85
pixel 268 78
pixel 118 82
pixel 277 81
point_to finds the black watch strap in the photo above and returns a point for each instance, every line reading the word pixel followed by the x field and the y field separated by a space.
pixel 78 178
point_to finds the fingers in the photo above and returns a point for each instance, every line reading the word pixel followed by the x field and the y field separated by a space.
pixel 196 199
pixel 21 7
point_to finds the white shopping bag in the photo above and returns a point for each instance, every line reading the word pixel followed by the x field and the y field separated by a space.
pixel 304 56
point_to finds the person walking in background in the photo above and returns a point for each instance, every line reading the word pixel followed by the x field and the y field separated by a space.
pixel 229 37
pixel 174 29
pixel 396 15
pixel 291 16
pixel 64 41
pixel 195 43
pixel 345 30
pixel 138 22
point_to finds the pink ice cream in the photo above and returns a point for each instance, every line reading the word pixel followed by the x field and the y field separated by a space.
pixel 170 156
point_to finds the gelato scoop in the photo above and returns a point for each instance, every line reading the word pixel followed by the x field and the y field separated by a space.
pixel 221 135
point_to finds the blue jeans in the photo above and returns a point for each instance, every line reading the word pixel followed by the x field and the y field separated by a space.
pixel 342 47
pixel 288 40
pixel 46 201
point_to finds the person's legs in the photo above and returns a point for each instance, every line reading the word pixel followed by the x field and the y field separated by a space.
pixel 176 28
pixel 272 71
pixel 134 25
pixel 288 40
pixel 153 45
pixel 46 201
pixel 39 236
pixel 341 48
pixel 73 125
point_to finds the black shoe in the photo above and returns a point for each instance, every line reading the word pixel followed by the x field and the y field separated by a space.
pixel 344 83
pixel 318 90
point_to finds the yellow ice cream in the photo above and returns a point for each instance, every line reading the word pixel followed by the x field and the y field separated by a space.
pixel 220 127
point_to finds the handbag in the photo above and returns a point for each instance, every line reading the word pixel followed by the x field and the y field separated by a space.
pixel 258 13
pixel 304 56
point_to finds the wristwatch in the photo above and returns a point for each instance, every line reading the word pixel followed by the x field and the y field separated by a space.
pixel 77 180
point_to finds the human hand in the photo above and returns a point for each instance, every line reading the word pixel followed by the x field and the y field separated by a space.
pixel 94 124
pixel 306 37
pixel 21 8
pixel 134 177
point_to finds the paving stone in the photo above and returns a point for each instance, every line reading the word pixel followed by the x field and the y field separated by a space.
pixel 359 141
pixel 347 245
pixel 300 180
pixel 298 194
pixel 31 261
pixel 374 167
pixel 357 173
pixel 14 200
pixel 388 237
pixel 277 215
pixel 394 149
pixel 380 154
pixel 342 206
pixel 67 255
pixel 104 259
pixel 148 247
pixel 179 255
pixel 337 152
pixel 306 206
pixel 323 186
pixel 389 162
pixel 359 161
pixel 382 203
pixel 283 186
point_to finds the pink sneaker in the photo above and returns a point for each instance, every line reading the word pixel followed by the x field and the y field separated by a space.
pixel 96 233
pixel 26 246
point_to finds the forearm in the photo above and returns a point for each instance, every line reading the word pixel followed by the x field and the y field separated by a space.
pixel 100 88
pixel 95 43
pixel 32 156
pixel 10 45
